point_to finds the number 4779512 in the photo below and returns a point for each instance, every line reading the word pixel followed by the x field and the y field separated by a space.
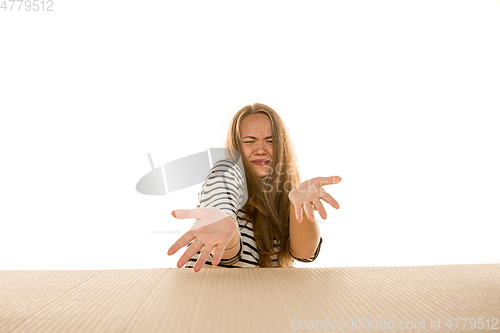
pixel 27 5
pixel 480 323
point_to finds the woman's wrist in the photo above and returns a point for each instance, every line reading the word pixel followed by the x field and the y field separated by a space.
pixel 231 245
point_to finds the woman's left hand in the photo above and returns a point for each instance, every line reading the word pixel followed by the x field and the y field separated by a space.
pixel 309 193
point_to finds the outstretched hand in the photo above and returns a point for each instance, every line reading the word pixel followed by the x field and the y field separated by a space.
pixel 309 193
pixel 213 229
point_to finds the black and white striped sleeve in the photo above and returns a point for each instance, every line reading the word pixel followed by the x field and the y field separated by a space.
pixel 223 189
pixel 315 255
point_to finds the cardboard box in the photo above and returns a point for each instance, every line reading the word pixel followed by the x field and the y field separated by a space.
pixel 253 299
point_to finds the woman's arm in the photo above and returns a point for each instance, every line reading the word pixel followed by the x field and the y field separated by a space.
pixel 235 240
pixel 304 237
pixel 222 190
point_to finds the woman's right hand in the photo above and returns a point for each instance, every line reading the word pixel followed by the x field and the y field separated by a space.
pixel 213 228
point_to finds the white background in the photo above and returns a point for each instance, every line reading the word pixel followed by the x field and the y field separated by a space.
pixel 400 99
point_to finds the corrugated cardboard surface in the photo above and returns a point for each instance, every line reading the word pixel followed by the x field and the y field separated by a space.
pixel 251 299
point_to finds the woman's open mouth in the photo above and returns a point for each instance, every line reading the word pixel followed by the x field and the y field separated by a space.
pixel 261 162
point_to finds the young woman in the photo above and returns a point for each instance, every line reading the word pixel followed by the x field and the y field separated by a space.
pixel 267 231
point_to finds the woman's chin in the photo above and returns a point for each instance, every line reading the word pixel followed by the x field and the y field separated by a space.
pixel 261 172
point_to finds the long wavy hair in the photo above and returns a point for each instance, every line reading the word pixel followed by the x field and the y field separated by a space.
pixel 268 205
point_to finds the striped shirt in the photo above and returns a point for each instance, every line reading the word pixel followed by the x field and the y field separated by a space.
pixel 223 188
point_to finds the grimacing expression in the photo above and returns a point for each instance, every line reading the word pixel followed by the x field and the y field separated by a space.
pixel 256 142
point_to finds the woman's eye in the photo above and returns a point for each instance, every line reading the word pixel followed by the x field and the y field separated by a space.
pixel 252 141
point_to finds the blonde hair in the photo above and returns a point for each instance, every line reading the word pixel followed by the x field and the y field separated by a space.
pixel 268 205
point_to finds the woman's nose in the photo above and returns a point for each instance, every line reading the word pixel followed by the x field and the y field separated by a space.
pixel 260 147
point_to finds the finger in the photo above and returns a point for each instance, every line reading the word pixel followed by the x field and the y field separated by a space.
pixel 181 242
pixel 219 251
pixel 189 253
pixel 319 207
pixel 202 258
pixel 309 210
pixel 186 213
pixel 328 180
pixel 298 213
pixel 328 198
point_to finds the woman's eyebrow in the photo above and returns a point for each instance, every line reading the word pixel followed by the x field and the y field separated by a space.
pixel 252 137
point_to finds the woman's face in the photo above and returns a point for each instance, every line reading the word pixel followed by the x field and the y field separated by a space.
pixel 257 144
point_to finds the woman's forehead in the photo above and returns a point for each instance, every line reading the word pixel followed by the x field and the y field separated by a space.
pixel 256 124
